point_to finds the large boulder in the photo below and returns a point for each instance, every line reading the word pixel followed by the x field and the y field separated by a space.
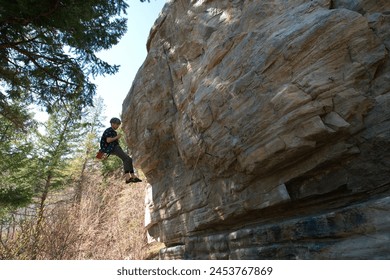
pixel 263 128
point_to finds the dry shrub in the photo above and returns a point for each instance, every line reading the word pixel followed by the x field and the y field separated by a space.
pixel 107 223
pixel 111 220
pixel 16 238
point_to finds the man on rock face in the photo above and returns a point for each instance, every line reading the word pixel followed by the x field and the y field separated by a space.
pixel 109 144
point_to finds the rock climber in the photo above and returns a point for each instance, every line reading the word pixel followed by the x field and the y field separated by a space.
pixel 109 144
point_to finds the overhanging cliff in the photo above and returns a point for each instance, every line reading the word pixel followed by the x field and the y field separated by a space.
pixel 263 128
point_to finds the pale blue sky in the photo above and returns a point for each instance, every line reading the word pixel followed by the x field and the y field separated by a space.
pixel 130 53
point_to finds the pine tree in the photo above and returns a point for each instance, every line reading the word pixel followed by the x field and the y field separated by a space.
pixel 16 151
pixel 54 149
pixel 90 145
pixel 47 50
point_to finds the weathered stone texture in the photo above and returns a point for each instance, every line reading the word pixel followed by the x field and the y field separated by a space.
pixel 263 128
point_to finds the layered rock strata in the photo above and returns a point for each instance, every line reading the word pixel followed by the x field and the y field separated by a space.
pixel 263 128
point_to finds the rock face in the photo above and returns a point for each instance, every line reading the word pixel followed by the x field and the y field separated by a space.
pixel 263 128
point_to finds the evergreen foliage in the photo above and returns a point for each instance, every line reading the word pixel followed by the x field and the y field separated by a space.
pixel 47 50
pixel 15 153
pixel 63 133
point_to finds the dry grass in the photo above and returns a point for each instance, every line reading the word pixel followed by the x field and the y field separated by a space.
pixel 106 224
pixel 112 221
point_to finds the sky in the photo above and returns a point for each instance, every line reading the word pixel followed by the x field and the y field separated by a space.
pixel 129 53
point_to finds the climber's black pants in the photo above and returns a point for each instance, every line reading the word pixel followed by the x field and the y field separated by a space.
pixel 127 161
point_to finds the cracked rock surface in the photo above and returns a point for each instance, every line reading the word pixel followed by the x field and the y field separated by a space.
pixel 263 128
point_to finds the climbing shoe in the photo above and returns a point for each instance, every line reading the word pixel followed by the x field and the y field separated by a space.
pixel 133 180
